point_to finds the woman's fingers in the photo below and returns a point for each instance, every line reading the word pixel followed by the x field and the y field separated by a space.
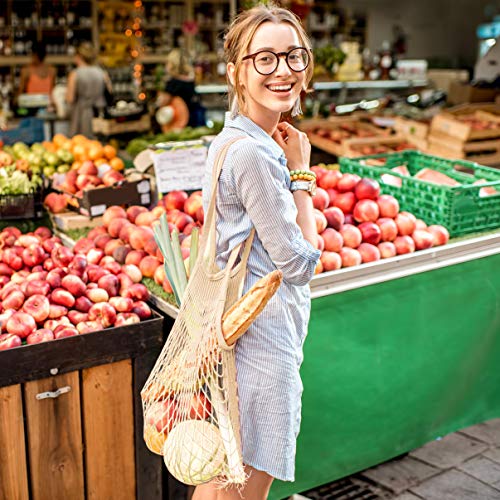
pixel 278 137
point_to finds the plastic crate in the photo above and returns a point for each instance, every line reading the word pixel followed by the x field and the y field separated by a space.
pixel 460 209
pixel 30 130
pixel 21 206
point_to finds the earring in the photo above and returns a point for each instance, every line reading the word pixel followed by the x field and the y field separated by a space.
pixel 297 108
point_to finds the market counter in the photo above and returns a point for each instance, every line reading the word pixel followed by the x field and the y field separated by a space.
pixel 399 352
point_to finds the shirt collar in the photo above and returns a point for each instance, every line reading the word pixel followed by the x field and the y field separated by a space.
pixel 253 130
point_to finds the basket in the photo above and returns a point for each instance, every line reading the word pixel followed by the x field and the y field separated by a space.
pixel 21 206
pixel 461 209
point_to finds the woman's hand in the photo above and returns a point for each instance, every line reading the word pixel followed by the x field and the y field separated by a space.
pixel 295 144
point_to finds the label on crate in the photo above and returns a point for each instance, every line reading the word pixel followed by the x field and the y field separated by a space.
pixel 145 199
pixel 97 210
pixel 180 169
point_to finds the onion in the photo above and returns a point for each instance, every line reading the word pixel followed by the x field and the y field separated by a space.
pixel 193 452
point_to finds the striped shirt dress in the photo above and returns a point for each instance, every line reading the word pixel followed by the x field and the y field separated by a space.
pixel 254 191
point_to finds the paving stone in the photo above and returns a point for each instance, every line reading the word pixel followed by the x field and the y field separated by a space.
pixel 407 496
pixel 455 485
pixel 493 454
pixel 484 469
pixel 489 432
pixel 398 475
pixel 449 451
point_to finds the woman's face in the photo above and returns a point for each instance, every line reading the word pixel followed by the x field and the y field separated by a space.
pixel 275 93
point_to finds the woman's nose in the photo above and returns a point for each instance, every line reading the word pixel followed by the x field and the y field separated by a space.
pixel 282 68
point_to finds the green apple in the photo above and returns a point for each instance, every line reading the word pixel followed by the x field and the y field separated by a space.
pixel 49 171
pixel 62 169
pixel 51 158
pixel 65 156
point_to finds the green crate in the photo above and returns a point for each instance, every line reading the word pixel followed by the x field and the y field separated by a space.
pixel 460 208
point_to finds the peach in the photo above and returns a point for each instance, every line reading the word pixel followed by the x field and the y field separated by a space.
pixel 89 327
pixel 321 221
pixel 333 240
pixel 175 200
pixel 83 245
pixel 56 311
pixel 139 237
pixel 150 247
pixel 116 225
pixel 120 253
pixel 101 240
pixel 135 257
pixel 145 219
pixel 142 309
pixel 122 304
pixel 148 266
pixel 21 324
pixel 369 252
pixel 97 295
pixel 133 211
pixel 93 233
pixel 350 257
pixel 74 285
pixel 387 249
pixel 159 275
pixel 331 261
pixel 126 318
pixel 111 245
pixel 125 231
pixel 104 312
pixel 192 204
pixel 134 272
pixel 41 335
pixel 113 212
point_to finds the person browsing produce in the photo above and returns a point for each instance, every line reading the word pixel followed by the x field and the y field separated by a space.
pixel 269 65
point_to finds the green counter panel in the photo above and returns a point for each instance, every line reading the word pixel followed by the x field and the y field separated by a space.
pixel 392 366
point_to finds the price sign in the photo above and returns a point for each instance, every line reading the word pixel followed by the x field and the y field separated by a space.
pixel 180 169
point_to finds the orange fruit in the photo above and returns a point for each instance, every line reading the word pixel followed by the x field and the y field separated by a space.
pixel 95 152
pixel 79 139
pixel 59 139
pixel 76 165
pixel 100 161
pixel 116 163
pixel 109 151
pixel 80 152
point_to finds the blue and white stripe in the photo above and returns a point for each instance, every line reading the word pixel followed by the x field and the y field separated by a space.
pixel 254 191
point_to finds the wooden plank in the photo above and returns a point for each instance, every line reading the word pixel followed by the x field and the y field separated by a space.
pixel 37 361
pixel 149 466
pixel 55 439
pixel 108 419
pixel 13 470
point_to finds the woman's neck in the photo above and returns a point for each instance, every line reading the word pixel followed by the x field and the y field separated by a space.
pixel 266 121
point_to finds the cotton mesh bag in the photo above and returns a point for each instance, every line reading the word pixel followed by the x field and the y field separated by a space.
pixel 190 400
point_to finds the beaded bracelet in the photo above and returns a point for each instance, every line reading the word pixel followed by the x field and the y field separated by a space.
pixel 306 175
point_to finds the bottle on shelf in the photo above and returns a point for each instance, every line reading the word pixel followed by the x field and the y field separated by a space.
pixel 386 60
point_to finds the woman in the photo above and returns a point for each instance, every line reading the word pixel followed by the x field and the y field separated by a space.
pixel 86 90
pixel 269 64
pixel 38 77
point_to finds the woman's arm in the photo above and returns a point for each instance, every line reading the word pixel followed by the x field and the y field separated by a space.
pixel 71 90
pixel 305 216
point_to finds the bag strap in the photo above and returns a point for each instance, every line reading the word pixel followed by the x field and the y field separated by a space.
pixel 210 221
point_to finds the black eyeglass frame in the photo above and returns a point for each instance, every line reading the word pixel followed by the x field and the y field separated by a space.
pixel 278 55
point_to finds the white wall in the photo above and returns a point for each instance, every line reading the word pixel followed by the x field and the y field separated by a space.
pixel 444 29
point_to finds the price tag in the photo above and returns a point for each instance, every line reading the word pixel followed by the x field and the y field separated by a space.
pixel 180 169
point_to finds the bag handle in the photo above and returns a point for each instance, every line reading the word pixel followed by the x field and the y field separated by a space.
pixel 209 250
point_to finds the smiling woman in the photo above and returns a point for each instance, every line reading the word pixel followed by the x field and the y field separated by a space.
pixel 269 64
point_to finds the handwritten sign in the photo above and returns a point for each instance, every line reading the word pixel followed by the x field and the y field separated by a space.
pixel 181 168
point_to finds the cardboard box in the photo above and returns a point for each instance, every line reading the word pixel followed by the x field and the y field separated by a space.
pixel 462 92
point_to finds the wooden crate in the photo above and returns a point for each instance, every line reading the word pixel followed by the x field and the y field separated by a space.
pixel 72 220
pixel 335 125
pixel 85 444
pixel 411 128
pixel 391 144
pixel 105 126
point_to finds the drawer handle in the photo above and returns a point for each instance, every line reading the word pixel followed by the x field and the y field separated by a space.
pixel 54 394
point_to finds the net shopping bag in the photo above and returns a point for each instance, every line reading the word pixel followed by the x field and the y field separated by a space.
pixel 190 400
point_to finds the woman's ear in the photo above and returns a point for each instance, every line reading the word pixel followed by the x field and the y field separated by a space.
pixel 230 72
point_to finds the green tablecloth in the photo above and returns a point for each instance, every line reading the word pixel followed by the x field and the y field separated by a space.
pixel 391 366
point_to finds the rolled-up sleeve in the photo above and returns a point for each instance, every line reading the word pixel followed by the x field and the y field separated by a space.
pixel 261 187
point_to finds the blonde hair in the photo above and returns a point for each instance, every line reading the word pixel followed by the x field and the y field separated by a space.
pixel 240 35
pixel 178 64
pixel 86 51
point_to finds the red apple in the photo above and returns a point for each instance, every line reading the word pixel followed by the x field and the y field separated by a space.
pixel 321 200
pixel 423 239
pixel 74 285
pixel 352 236
pixel 345 201
pixel 41 335
pixel 334 217
pixel 21 324
pixel 405 224
pixel 37 306
pixel 388 206
pixel 103 312
pixel 350 257
pixel 367 189
pixel 62 297
pixel 347 182
pixel 388 229
pixel 370 232
pixel 440 235
pixel 366 211
pixel 9 341
pixel 387 249
pixel 368 252
pixel 141 309
pixel 110 283
pixel 97 295
pixel 333 240
pixel 331 261
pixel 175 200
pixel 321 222
pixel 404 244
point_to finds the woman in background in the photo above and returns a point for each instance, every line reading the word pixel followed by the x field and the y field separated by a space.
pixel 86 90
pixel 38 77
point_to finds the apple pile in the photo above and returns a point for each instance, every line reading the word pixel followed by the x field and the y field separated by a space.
pixel 87 176
pixel 343 131
pixel 126 235
pixel 48 291
pixel 356 224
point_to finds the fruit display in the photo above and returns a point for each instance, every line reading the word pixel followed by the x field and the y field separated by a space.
pixel 14 181
pixel 356 224
pixel 48 291
pixel 378 145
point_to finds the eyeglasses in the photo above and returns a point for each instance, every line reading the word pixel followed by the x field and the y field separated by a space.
pixel 266 62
